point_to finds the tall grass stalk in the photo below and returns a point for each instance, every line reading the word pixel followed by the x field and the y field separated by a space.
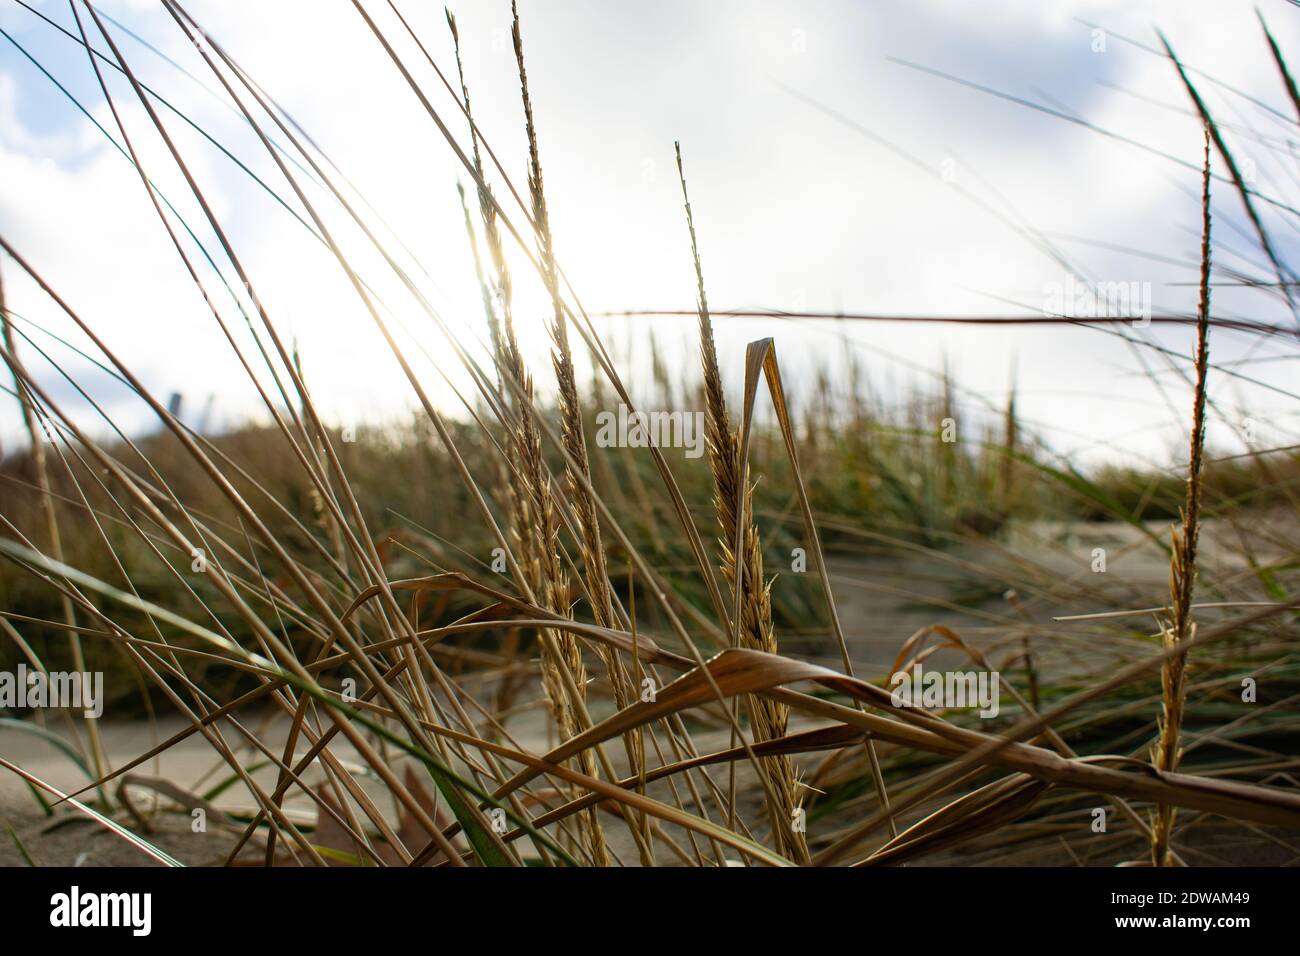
pixel 1179 627
pixel 744 570
pixel 54 538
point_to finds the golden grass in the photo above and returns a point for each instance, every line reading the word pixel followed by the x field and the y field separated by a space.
pixel 1182 568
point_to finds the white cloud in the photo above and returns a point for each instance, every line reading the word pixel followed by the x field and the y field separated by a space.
pixel 794 209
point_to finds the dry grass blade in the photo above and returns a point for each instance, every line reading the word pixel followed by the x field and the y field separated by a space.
pixel 1287 79
pixel 1285 277
pixel 980 811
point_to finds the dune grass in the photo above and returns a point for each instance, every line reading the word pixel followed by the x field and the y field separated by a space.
pixel 477 638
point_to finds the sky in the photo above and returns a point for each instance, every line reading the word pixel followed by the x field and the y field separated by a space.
pixel 828 172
